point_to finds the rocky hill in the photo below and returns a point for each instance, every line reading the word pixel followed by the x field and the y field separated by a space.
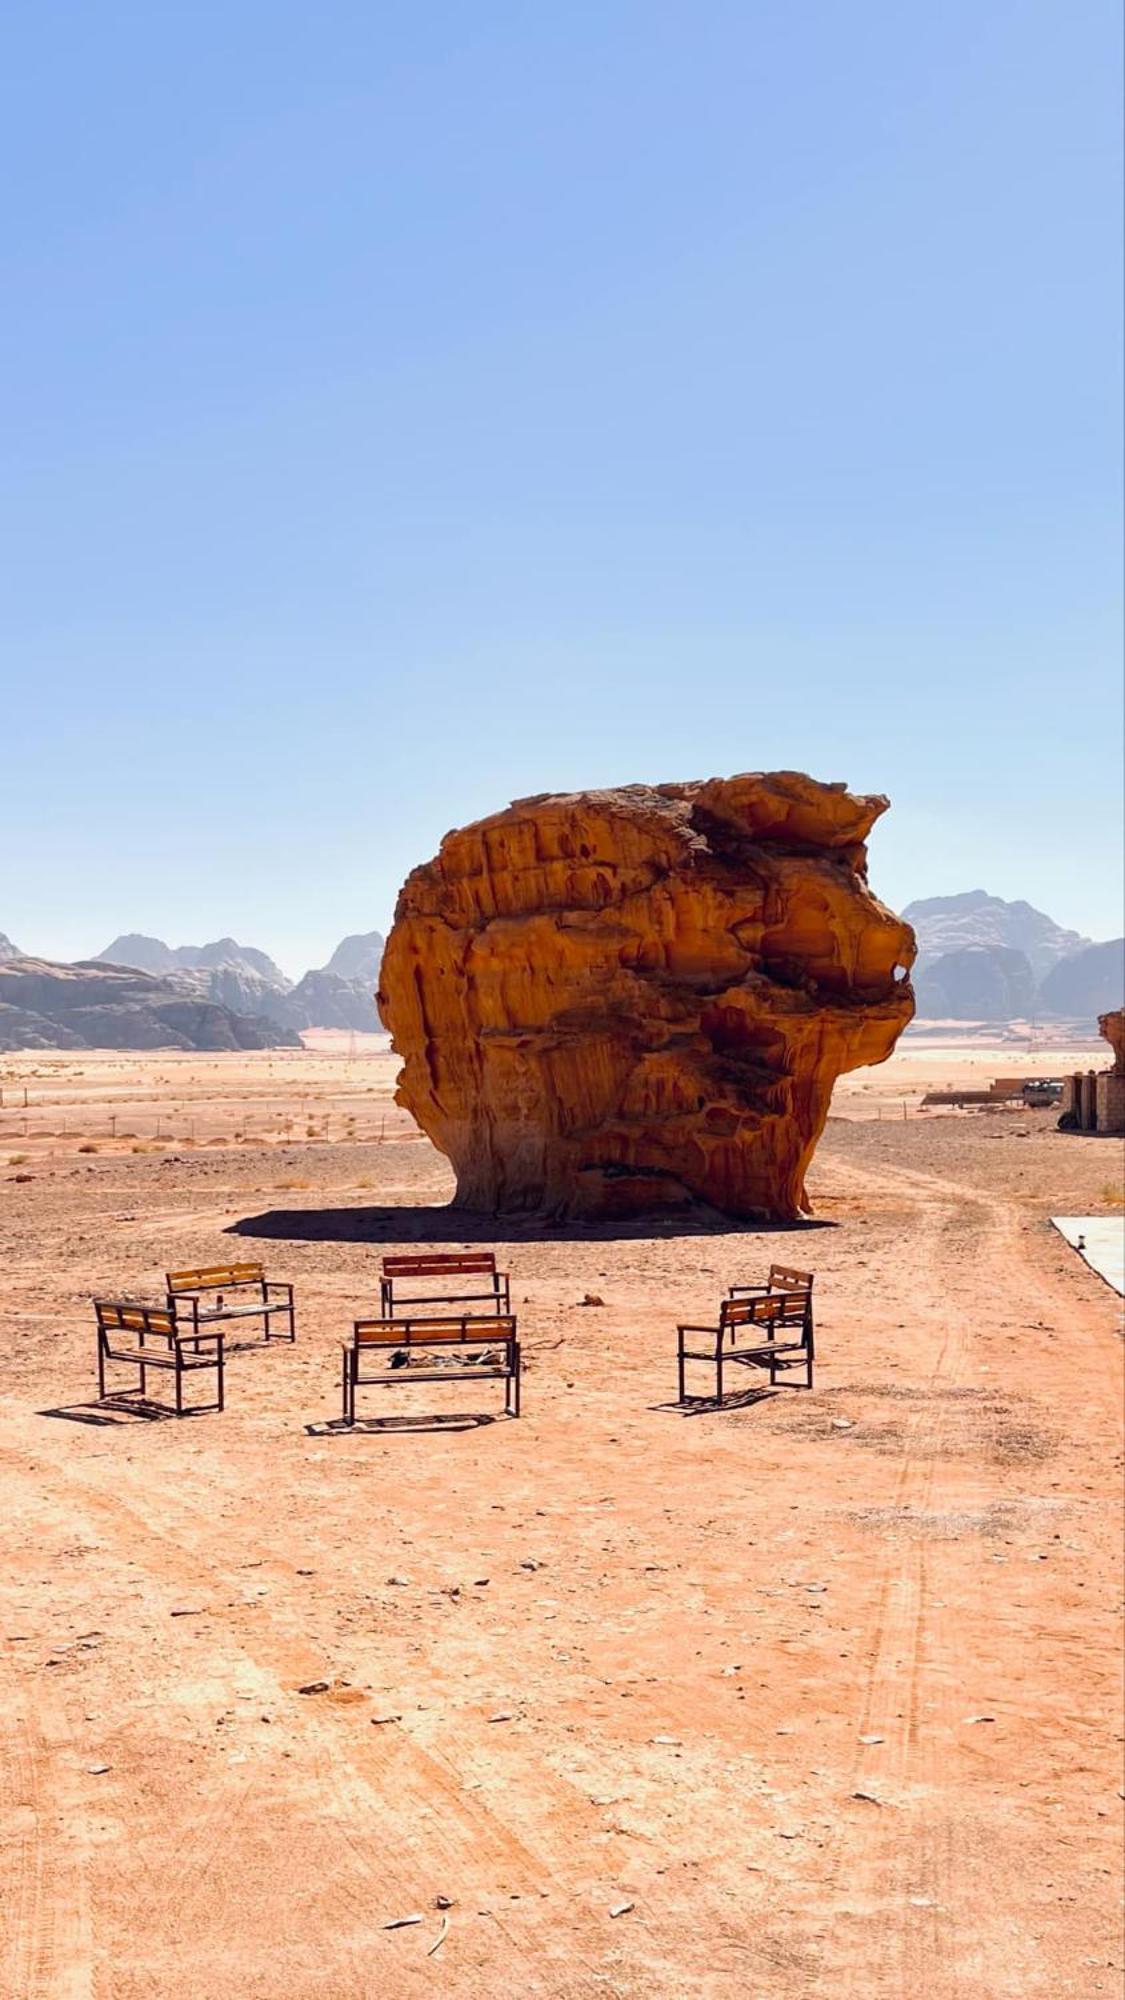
pixel 151 954
pixel 8 949
pixel 91 1005
pixel 339 995
pixel 976 921
pixel 358 957
pixel 1091 982
pixel 983 959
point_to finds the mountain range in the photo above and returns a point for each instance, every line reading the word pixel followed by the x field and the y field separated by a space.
pixel 979 959
pixel 340 994
pixel 983 959
pixel 141 993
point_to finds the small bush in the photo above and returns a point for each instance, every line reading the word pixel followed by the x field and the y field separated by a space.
pixel 88 1146
pixel 16 1159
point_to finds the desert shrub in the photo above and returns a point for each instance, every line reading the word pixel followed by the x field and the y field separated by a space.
pixel 88 1146
pixel 16 1159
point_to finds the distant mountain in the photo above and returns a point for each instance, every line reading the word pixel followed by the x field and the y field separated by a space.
pixel 151 954
pixel 358 957
pixel 8 949
pixel 978 921
pixel 980 983
pixel 1087 984
pixel 96 1006
pixel 247 981
pixel 983 959
pixel 324 1000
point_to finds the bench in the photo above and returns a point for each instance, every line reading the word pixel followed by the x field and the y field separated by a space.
pixel 150 1337
pixel 772 1330
pixel 185 1287
pixel 449 1266
pixel 783 1282
pixel 466 1348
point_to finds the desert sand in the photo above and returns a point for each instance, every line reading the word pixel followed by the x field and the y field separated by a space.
pixel 819 1693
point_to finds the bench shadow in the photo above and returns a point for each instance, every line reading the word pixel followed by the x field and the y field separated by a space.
pixel 453 1420
pixel 118 1414
pixel 459 1225
pixel 699 1406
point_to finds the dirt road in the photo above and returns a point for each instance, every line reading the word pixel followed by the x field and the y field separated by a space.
pixel 823 1688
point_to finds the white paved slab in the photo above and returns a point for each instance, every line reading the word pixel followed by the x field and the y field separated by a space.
pixel 1100 1239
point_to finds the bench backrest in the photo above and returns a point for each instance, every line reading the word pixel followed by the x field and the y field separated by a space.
pixel 784 1279
pixel 118 1316
pixel 482 1329
pixel 215 1277
pixel 440 1264
pixel 762 1310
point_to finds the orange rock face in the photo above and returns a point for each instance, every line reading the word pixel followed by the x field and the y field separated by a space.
pixel 1112 1026
pixel 610 1001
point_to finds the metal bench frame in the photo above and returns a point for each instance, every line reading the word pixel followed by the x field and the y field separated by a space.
pixel 747 1335
pixel 187 1293
pixel 444 1264
pixel 172 1348
pixel 385 1337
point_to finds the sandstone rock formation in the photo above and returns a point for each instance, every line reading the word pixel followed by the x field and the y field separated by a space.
pixel 1112 1026
pixel 609 1001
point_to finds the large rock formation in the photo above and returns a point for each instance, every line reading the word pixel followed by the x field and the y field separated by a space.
pixel 612 1000
pixel 1112 1026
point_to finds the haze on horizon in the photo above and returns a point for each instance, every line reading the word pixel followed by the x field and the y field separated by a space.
pixel 407 412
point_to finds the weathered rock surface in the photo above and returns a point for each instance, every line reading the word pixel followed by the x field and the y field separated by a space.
pixel 608 1001
pixel 1112 1026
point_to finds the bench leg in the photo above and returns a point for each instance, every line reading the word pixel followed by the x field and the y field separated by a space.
pixel 719 1372
pixel 101 1371
pixel 179 1384
pixel 680 1372
pixel 219 1367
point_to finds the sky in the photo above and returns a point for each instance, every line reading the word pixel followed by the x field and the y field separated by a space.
pixel 410 408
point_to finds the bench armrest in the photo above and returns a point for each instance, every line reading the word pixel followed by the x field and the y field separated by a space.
pixel 715 1330
pixel 277 1285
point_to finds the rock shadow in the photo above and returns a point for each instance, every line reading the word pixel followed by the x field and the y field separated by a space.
pixel 459 1225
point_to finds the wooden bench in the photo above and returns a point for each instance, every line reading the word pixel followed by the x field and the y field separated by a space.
pixel 783 1282
pixel 450 1266
pixel 466 1348
pixel 150 1337
pixel 200 1297
pixel 772 1330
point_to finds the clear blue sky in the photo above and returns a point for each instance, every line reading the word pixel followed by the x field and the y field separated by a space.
pixel 410 407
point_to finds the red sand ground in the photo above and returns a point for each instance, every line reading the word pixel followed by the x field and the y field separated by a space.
pixel 825 1687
